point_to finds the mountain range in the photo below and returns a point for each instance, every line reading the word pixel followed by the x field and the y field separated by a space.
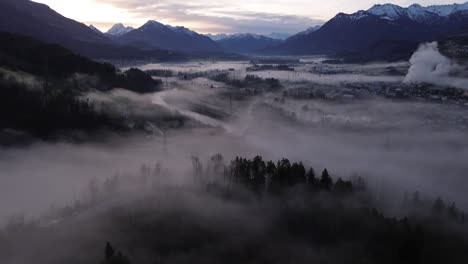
pixel 154 35
pixel 247 43
pixel 39 21
pixel 379 27
pixel 382 32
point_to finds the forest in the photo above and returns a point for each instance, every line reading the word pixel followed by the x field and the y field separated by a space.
pixel 245 210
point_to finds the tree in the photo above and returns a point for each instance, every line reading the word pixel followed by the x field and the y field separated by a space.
pixel 438 206
pixel 326 182
pixel 109 251
pixel 416 199
pixel 453 212
pixel 343 187
pixel 283 171
pixel 310 177
pixel 112 258
pixel 258 173
pixel 298 174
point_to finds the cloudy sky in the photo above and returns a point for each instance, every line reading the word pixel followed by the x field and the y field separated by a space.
pixel 220 16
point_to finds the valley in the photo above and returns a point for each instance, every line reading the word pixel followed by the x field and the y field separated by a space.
pixel 247 135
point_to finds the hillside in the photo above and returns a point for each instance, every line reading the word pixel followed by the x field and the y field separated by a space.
pixel 41 85
pixel 41 22
pixel 154 35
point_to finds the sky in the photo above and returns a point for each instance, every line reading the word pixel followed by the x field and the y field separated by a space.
pixel 220 16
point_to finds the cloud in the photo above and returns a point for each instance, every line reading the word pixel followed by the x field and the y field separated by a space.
pixel 215 18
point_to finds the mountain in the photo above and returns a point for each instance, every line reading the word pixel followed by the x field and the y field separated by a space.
pixel 356 33
pixel 156 35
pixel 415 12
pixel 278 35
pixel 246 43
pixel 217 37
pixel 309 30
pixel 118 30
pixel 273 35
pixel 39 21
pixel 93 28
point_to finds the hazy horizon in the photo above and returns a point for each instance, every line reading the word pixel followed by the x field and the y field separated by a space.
pixel 223 17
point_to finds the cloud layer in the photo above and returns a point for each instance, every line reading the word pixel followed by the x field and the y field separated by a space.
pixel 222 16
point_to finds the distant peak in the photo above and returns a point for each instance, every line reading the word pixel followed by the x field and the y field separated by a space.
pixel 119 29
pixel 153 23
pixel 416 11
pixel 93 28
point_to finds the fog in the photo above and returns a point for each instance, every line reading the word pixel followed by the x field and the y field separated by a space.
pixel 415 145
pixel 397 145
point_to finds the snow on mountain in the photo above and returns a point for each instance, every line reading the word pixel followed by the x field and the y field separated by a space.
pixel 416 12
pixel 217 37
pixel 387 10
pixel 177 29
pixel 445 10
pixel 274 35
pixel 154 34
pixel 244 35
pixel 309 30
pixel 119 29
pixel 182 30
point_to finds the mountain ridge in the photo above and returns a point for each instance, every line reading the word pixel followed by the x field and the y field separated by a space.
pixel 154 34
pixel 356 32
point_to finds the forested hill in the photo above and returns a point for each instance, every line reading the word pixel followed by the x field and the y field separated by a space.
pixel 41 85
pixel 51 61
pixel 29 55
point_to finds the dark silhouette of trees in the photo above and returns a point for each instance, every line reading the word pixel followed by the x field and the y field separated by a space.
pixel 326 182
pixel 343 187
pixel 439 206
pixel 259 175
pixel 111 257
pixel 55 63
pixel 43 112
pixel 311 178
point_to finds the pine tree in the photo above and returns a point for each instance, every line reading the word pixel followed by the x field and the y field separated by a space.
pixel 109 251
pixel 326 182
pixel 310 177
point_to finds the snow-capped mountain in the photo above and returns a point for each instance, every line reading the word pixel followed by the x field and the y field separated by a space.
pixel 416 12
pixel 273 35
pixel 383 27
pixel 216 37
pixel 154 34
pixel 244 35
pixel 118 30
pixel 445 10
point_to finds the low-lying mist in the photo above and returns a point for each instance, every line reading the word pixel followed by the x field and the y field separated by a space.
pixel 414 146
pixel 397 145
